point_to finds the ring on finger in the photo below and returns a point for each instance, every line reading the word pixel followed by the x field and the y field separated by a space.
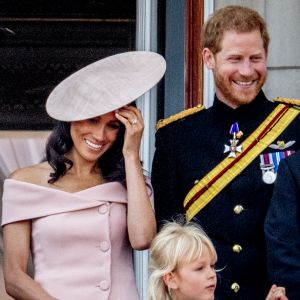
pixel 134 121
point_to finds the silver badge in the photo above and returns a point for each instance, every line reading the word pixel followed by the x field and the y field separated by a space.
pixel 269 177
pixel 268 174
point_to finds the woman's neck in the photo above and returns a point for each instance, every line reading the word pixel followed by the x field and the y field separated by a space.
pixel 81 166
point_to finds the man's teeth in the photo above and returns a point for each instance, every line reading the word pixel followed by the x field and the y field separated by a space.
pixel 93 145
pixel 244 83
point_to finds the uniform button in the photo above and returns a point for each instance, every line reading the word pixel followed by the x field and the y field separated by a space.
pixel 196 181
pixel 103 209
pixel 235 287
pixel 104 285
pixel 104 246
pixel 237 248
pixel 238 209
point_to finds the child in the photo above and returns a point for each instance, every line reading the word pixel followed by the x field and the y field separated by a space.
pixel 182 265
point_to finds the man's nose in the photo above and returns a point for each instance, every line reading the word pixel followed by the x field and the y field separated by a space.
pixel 246 68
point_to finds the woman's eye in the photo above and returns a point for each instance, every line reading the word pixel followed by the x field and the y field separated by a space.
pixel 93 121
pixel 114 125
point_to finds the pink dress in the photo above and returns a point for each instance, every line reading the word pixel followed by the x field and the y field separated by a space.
pixel 80 243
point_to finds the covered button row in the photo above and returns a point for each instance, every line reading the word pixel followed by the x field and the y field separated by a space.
pixel 103 209
pixel 104 246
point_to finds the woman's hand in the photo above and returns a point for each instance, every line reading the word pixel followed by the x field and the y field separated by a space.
pixel 133 121
pixel 276 293
pixel 140 215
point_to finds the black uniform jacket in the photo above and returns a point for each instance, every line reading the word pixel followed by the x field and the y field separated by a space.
pixel 282 228
pixel 186 150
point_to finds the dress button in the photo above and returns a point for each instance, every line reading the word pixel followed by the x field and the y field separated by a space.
pixel 104 285
pixel 103 209
pixel 238 209
pixel 235 287
pixel 237 248
pixel 104 246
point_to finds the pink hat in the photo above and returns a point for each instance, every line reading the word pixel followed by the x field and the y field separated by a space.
pixel 105 85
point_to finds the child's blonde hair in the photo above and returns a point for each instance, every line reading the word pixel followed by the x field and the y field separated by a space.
pixel 175 245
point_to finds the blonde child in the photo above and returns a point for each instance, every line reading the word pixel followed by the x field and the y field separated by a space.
pixel 182 265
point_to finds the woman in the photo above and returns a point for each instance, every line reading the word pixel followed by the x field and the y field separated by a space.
pixel 83 210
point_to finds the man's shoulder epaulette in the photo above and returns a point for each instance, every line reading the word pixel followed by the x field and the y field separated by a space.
pixel 183 114
pixel 295 102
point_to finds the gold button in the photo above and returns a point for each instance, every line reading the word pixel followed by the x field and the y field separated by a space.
pixel 238 209
pixel 237 248
pixel 196 181
pixel 235 287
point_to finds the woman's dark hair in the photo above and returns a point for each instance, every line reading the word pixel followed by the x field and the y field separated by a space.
pixel 111 163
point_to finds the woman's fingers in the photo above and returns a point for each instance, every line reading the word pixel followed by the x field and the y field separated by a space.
pixel 130 115
pixel 132 118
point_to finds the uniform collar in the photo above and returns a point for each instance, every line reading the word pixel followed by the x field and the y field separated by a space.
pixel 246 111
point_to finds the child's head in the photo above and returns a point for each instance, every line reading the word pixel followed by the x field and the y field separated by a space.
pixel 182 259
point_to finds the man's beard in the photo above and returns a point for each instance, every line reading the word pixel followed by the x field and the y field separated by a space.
pixel 232 95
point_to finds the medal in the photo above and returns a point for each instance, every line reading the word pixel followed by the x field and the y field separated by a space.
pixel 269 177
pixel 268 173
pixel 234 148
pixel 269 163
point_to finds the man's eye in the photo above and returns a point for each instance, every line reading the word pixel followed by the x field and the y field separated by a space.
pixel 234 59
pixel 256 59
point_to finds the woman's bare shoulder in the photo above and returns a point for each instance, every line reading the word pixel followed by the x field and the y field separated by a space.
pixel 36 174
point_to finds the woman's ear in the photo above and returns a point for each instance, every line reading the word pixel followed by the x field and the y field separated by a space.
pixel 208 58
pixel 170 281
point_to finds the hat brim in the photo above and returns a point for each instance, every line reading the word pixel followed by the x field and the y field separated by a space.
pixel 105 85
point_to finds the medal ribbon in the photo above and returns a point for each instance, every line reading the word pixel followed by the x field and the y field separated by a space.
pixel 212 183
pixel 274 158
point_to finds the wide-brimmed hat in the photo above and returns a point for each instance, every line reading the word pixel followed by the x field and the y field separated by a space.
pixel 105 85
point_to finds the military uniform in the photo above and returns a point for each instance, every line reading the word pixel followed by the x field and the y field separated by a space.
pixel 282 228
pixel 186 150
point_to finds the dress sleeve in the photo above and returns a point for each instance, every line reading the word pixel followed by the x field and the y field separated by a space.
pixel 163 178
pixel 282 229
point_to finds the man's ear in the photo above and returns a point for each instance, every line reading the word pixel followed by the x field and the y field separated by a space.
pixel 208 58
pixel 170 281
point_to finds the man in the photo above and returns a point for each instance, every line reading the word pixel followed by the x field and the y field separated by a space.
pixel 218 166
pixel 282 228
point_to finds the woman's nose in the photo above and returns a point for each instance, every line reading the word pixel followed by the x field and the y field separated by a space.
pixel 99 133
